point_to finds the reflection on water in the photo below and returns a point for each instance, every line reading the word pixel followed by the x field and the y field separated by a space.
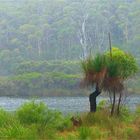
pixel 64 104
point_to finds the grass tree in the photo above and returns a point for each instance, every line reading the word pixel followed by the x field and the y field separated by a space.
pixel 120 67
pixel 94 72
pixel 109 73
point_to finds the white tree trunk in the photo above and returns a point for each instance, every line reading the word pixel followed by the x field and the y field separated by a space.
pixel 83 38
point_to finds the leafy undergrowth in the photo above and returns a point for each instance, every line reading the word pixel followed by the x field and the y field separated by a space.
pixel 34 121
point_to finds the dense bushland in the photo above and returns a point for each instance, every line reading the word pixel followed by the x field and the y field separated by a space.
pixel 42 78
pixel 49 78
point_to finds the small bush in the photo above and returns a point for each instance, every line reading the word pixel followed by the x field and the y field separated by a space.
pixel 38 113
pixel 65 124
pixel 31 112
pixel 102 105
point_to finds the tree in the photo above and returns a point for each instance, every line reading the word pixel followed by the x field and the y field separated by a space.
pixel 120 66
pixel 109 72
pixel 94 70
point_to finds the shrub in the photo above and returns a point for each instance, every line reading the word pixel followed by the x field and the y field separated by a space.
pixel 38 113
pixel 31 112
pixel 65 124
pixel 102 105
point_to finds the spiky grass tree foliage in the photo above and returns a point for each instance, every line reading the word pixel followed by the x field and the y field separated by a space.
pixel 94 73
pixel 119 67
pixel 112 80
pixel 126 62
pixel 94 69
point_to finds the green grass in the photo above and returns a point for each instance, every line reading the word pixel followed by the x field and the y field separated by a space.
pixel 35 121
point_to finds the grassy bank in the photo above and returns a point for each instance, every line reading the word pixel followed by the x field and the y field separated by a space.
pixel 34 121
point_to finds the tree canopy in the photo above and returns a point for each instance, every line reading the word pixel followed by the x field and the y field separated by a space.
pixel 119 65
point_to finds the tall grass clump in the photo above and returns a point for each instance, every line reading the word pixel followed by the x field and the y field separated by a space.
pixel 84 133
pixel 17 131
pixel 4 117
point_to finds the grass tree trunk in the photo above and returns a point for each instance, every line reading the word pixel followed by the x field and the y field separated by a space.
pixel 119 103
pixel 110 98
pixel 92 99
pixel 113 104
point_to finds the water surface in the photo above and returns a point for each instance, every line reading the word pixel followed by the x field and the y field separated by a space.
pixel 63 104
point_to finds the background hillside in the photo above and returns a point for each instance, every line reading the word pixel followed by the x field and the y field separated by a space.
pixel 42 41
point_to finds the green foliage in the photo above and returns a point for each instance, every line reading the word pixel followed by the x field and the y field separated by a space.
pixel 38 113
pixel 84 133
pixel 121 64
pixel 4 117
pixel 17 131
pixel 66 124
pixel 31 113
pixel 99 63
pixel 26 32
pixel 125 114
pixel 109 70
pixel 27 76
pixel 95 64
pixel 68 67
pixel 50 124
pixel 102 105
pixel 113 68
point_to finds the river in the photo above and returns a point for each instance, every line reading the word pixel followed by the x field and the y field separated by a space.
pixel 63 104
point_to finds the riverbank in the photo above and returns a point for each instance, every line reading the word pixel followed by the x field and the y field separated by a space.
pixel 35 121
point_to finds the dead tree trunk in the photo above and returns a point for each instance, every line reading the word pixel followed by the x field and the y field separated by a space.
pixel 83 38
